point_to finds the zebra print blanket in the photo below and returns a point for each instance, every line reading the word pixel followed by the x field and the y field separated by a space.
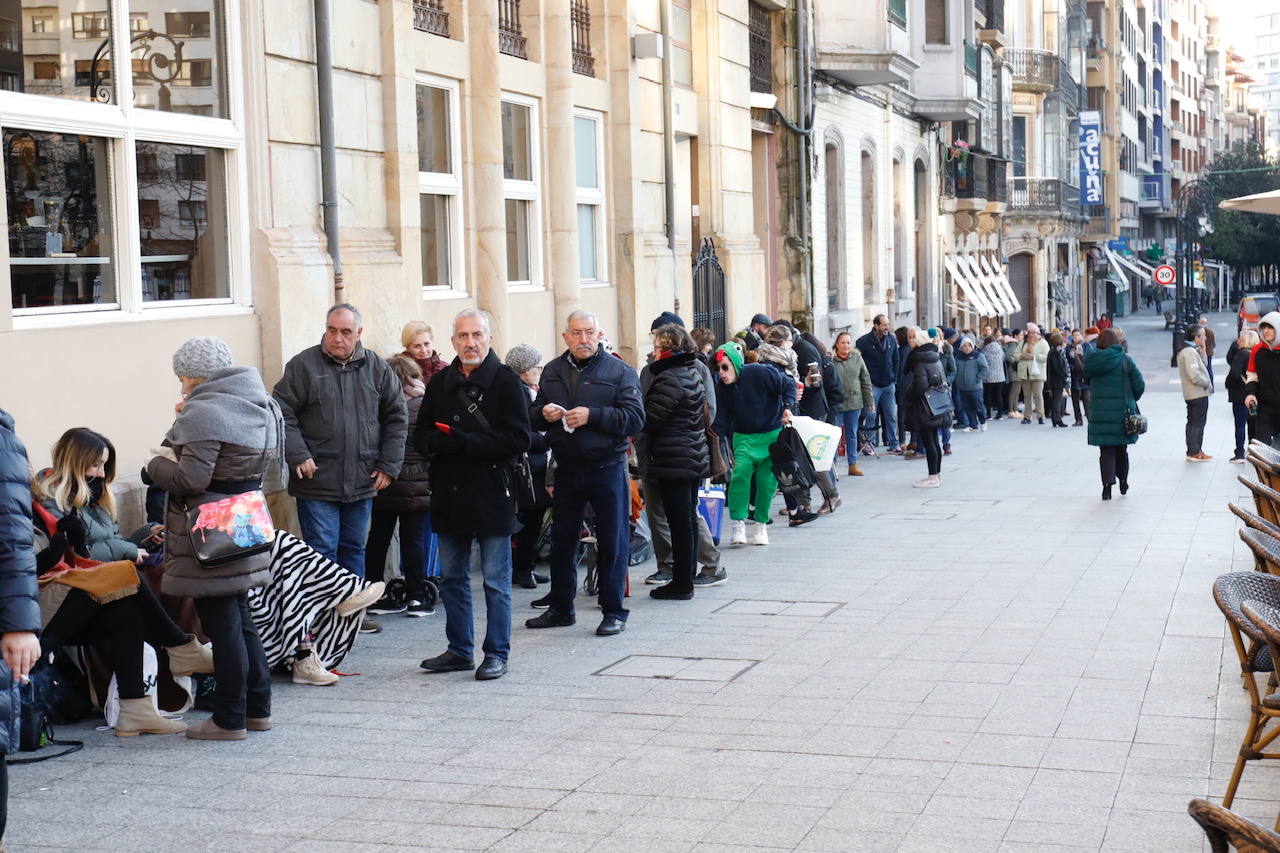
pixel 299 600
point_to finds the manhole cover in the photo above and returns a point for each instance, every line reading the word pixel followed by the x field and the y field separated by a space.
pixel 678 668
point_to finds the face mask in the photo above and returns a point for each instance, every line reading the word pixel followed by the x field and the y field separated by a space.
pixel 97 485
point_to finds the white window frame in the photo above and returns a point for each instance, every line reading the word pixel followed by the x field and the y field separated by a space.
pixel 530 191
pixel 124 125
pixel 450 185
pixel 594 196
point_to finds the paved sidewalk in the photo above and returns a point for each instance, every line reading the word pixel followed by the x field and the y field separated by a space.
pixel 1003 664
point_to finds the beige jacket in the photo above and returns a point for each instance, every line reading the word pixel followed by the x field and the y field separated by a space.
pixel 1193 373
pixel 1033 369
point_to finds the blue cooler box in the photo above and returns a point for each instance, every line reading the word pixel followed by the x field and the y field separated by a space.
pixel 711 508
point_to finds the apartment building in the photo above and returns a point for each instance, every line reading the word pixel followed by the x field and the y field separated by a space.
pixel 527 158
pixel 1045 219
pixel 1264 68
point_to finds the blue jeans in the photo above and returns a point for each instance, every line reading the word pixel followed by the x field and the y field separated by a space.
pixel 1244 426
pixel 337 530
pixel 848 421
pixel 973 413
pixel 887 405
pixel 455 592
pixel 605 488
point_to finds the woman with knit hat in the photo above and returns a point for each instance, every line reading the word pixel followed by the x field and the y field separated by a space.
pixel 526 361
pixel 753 402
pixel 924 368
pixel 227 432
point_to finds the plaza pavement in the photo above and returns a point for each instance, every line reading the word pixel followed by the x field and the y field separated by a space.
pixel 1003 664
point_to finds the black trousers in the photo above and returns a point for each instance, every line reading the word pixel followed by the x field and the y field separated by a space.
pixel 1113 461
pixel 680 500
pixel 995 398
pixel 1197 413
pixel 413 526
pixel 931 441
pixel 1080 398
pixel 1057 402
pixel 240 667
pixel 1267 426
pixel 120 627
pixel 524 545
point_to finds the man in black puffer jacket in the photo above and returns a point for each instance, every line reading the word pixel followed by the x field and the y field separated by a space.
pixel 588 404
pixel 19 612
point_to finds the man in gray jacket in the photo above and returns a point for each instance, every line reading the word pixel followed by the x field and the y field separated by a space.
pixel 1196 388
pixel 345 424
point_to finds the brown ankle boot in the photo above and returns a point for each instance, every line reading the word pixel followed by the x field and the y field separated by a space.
pixel 138 716
pixel 854 470
pixel 191 656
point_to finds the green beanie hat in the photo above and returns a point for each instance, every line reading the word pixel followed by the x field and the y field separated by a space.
pixel 733 352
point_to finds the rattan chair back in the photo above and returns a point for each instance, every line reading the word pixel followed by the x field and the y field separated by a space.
pixel 1266 499
pixel 1265 548
pixel 1255 521
pixel 1227 831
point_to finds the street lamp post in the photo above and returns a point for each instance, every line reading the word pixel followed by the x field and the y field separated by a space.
pixel 1184 304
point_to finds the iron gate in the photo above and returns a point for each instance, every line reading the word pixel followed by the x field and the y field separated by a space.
pixel 708 291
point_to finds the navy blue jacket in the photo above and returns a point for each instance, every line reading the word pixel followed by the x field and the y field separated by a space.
pixel 609 388
pixel 882 358
pixel 18 608
pixel 755 402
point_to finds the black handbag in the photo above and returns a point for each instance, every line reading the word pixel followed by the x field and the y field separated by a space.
pixel 938 401
pixel 1135 423
pixel 27 727
pixel 517 471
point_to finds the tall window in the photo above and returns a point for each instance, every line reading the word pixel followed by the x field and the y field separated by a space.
pixel 588 157
pixel 521 191
pixel 870 257
pixel 438 184
pixel 104 211
pixel 833 172
pixel 681 42
pixel 935 22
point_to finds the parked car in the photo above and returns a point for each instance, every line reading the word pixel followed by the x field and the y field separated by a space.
pixel 1252 307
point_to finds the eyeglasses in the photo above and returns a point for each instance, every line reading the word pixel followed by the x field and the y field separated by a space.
pixel 726 367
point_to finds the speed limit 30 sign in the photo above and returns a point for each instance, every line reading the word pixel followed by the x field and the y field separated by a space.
pixel 1165 274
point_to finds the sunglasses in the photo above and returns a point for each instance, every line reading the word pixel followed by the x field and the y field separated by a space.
pixel 726 367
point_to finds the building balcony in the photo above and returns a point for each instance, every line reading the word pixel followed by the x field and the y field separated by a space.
pixel 975 182
pixel 1042 71
pixel 991 25
pixel 863 43
pixel 1043 197
pixel 429 16
pixel 1154 192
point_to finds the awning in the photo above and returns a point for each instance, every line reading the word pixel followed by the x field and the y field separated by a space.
pixel 1268 202
pixel 1004 290
pixel 971 289
pixel 1117 273
pixel 1143 274
pixel 983 278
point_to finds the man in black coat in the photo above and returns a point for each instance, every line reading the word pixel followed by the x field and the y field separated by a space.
pixel 473 424
pixel 879 350
pixel 589 404
pixel 19 612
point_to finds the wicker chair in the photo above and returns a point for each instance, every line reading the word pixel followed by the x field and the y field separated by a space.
pixel 1227 831
pixel 1265 498
pixel 1268 471
pixel 1265 548
pixel 1255 521
pixel 1265 450
pixel 1231 591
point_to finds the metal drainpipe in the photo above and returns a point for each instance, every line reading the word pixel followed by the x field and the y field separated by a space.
pixel 803 114
pixel 328 145
pixel 669 150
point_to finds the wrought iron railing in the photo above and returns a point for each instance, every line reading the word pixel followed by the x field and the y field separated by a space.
pixel 761 49
pixel 580 16
pixel 430 17
pixel 1037 195
pixel 511 40
pixel 1043 71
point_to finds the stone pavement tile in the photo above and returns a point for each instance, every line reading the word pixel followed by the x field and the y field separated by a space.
pixel 927 842
pixel 929 745
pixel 854 821
pixel 745 833
pixel 1064 835
pixel 1065 753
pixel 989 808
pixel 151 840
pixel 637 830
pixel 59 833
pixel 957 826
pixel 879 801
pixel 1015 750
pixel 984 780
pixel 702 809
pixel 1141 830
pixel 1050 808
pixel 789 795
pixel 836 841
pixel 1075 786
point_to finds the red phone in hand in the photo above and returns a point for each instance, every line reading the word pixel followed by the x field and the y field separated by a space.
pixel 444 428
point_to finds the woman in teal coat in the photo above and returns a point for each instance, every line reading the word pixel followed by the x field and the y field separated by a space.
pixel 1106 369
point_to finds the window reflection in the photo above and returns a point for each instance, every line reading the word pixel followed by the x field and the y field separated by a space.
pixel 182 217
pixel 59 48
pixel 178 59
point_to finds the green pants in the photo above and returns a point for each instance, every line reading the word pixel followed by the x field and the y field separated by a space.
pixel 751 464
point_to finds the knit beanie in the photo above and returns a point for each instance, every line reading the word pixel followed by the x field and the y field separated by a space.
pixel 666 318
pixel 965 339
pixel 521 357
pixel 733 352
pixel 198 358
pixel 923 337
pixel 761 320
pixel 948 333
pixel 932 333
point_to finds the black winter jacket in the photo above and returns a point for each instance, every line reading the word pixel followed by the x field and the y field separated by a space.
pixel 609 388
pixel 813 402
pixel 1059 372
pixel 924 366
pixel 470 469
pixel 411 491
pixel 883 358
pixel 1237 364
pixel 18 608
pixel 675 429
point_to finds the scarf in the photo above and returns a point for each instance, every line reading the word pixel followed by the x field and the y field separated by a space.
pixel 784 358
pixel 231 406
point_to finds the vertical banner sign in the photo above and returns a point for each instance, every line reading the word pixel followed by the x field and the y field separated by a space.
pixel 1090 157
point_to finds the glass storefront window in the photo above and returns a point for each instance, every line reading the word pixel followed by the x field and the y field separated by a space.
pixel 183 221
pixel 57 191
pixel 178 58
pixel 58 48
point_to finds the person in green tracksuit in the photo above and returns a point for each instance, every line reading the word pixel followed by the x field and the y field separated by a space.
pixel 753 402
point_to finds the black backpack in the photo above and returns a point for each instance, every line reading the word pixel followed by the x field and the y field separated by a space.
pixel 791 463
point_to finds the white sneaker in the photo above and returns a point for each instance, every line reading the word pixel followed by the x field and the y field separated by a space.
pixel 930 482
pixel 361 599
pixel 760 536
pixel 739 535
pixel 309 671
pixel 983 426
pixel 967 429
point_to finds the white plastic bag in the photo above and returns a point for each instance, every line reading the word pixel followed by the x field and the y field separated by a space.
pixel 150 674
pixel 820 438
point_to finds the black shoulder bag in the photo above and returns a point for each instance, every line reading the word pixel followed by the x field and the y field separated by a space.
pixel 1135 423
pixel 520 475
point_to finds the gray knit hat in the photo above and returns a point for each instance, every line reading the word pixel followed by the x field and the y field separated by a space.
pixel 521 357
pixel 199 357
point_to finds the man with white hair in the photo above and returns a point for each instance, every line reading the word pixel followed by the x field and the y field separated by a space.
pixel 473 424
pixel 588 404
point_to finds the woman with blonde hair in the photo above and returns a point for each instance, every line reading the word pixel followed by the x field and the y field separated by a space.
pixel 1237 364
pixel 418 338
